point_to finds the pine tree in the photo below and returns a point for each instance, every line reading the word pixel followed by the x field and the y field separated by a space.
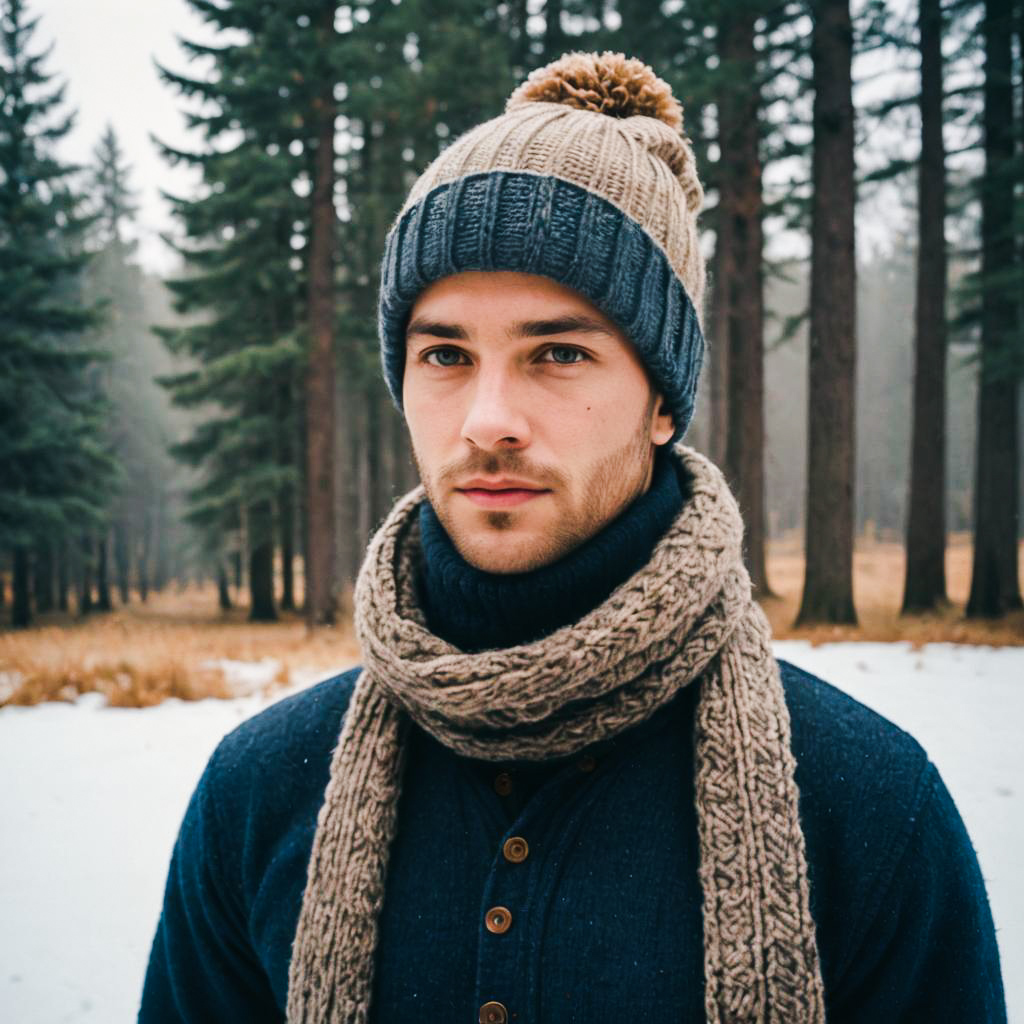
pixel 137 429
pixel 828 582
pixel 925 582
pixel 53 462
pixel 248 241
pixel 995 583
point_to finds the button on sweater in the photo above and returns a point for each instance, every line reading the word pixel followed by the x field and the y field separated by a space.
pixel 569 891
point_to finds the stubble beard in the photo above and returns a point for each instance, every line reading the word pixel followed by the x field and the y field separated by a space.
pixel 613 483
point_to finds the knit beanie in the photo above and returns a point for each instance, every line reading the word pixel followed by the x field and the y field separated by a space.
pixel 586 178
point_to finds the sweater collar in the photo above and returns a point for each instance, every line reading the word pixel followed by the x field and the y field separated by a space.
pixel 475 610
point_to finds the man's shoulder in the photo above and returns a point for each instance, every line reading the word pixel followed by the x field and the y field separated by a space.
pixel 851 761
pixel 832 727
pixel 285 743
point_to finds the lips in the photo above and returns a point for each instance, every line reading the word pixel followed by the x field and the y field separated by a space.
pixel 500 493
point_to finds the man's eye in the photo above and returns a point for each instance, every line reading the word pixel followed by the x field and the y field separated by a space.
pixel 565 355
pixel 443 357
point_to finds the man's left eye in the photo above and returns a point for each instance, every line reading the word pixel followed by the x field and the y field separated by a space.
pixel 564 355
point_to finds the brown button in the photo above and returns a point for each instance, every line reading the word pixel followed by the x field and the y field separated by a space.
pixel 499 920
pixel 493 1013
pixel 588 763
pixel 503 784
pixel 516 850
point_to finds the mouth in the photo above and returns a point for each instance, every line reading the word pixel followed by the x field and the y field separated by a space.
pixel 500 493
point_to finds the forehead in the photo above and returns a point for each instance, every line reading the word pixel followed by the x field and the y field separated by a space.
pixel 504 296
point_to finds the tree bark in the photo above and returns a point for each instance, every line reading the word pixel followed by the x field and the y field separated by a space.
pixel 925 581
pixel 995 584
pixel 142 562
pixel 85 579
pixel 828 581
pixel 320 561
pixel 21 602
pixel 122 560
pixel 223 592
pixel 63 576
pixel 103 602
pixel 740 192
pixel 286 497
pixel 42 578
pixel 723 263
pixel 261 563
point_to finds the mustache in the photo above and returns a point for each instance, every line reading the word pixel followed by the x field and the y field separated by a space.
pixel 500 463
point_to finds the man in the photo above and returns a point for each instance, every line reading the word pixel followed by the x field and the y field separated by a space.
pixel 570 782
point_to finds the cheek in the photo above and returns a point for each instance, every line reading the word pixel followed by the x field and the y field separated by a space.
pixel 430 423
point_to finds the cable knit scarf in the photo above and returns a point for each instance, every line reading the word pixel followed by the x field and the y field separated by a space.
pixel 687 615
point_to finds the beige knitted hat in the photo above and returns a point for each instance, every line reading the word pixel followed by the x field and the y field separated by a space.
pixel 585 178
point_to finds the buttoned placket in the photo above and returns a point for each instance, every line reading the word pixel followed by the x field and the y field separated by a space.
pixel 519 884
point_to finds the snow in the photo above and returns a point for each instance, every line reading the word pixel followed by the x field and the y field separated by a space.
pixel 93 796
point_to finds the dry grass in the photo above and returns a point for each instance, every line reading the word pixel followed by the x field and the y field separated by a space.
pixel 140 655
pixel 878 594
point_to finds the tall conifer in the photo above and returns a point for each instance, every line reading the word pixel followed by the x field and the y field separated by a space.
pixel 53 462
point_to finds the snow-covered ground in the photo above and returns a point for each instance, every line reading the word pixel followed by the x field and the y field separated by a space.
pixel 91 798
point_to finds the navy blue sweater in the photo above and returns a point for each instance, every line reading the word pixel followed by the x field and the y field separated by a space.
pixel 606 906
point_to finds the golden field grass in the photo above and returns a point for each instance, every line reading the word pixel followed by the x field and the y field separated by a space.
pixel 878 568
pixel 139 655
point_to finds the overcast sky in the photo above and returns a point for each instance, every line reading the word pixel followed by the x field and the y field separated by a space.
pixel 105 50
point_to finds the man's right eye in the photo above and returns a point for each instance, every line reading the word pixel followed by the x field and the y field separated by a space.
pixel 442 357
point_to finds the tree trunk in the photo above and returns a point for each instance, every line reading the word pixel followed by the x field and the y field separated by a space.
pixel 741 203
pixel 21 603
pixel 223 592
pixel 42 578
pixel 261 563
pixel 122 560
pixel 287 531
pixel 63 576
pixel 828 581
pixel 103 602
pixel 554 34
pixel 995 585
pixel 161 549
pixel 925 582
pixel 320 563
pixel 142 562
pixel 85 579
pixel 350 542
pixel 286 494
pixel 718 355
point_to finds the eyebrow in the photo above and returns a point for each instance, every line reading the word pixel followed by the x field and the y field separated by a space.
pixel 572 323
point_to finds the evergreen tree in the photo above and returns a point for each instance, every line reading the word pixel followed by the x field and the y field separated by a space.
pixel 137 429
pixel 828 581
pixel 55 467
pixel 248 241
pixel 995 583
pixel 925 581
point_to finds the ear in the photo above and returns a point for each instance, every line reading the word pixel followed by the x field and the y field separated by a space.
pixel 662 425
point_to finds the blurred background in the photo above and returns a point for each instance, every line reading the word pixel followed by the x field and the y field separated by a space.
pixel 195 439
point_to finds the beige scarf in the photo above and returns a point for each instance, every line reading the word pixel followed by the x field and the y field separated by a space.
pixel 687 614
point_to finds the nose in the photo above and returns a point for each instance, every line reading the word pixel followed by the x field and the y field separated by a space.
pixel 497 414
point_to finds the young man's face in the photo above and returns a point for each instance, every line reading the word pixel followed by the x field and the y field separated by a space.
pixel 533 421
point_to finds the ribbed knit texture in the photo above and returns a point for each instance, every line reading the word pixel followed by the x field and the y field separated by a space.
pixel 606 205
pixel 475 610
pixel 687 614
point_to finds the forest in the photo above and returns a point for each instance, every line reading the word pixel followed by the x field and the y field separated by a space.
pixel 227 423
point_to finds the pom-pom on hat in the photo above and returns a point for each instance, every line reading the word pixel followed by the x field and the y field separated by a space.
pixel 585 178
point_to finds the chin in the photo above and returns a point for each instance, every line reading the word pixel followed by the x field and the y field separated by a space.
pixel 504 554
